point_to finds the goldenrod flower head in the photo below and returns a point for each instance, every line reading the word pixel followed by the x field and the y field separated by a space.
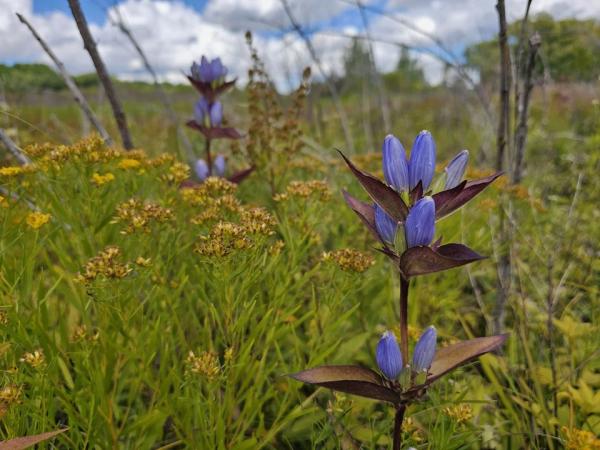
pixel 580 439
pixel 106 265
pixel 459 413
pixel 34 359
pixel 315 189
pixel 99 180
pixel 11 171
pixel 37 219
pixel 206 364
pixel 10 394
pixel 349 259
pixel 138 215
pixel 129 163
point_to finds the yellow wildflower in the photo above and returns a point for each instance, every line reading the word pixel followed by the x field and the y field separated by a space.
pixel 349 259
pixel 3 202
pixel 303 189
pixel 11 171
pixel 143 262
pixel 459 413
pixel 129 163
pixel 105 264
pixel 580 439
pixel 99 180
pixel 34 359
pixel 36 219
pixel 206 364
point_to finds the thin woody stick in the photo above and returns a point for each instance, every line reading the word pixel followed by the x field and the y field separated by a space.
pixel 79 98
pixel 12 147
pixel 90 46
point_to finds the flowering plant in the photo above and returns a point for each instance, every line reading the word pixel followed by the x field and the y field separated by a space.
pixel 208 77
pixel 402 218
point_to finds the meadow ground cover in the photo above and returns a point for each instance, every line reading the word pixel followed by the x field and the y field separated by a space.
pixel 142 310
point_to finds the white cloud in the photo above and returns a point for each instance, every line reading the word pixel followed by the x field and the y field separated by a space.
pixel 173 34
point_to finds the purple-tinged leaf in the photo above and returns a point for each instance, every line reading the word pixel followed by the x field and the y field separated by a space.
pixel 24 442
pixel 389 200
pixel 215 132
pixel 455 355
pixel 450 200
pixel 423 260
pixel 355 380
pixel 365 212
pixel 209 91
pixel 238 177
pixel 417 193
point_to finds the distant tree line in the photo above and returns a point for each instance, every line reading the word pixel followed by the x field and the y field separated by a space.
pixel 570 49
pixel 23 77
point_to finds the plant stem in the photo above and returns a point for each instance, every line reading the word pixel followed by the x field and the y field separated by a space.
pixel 404 319
pixel 398 426
pixel 208 158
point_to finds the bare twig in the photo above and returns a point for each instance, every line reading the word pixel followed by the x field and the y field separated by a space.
pixel 523 109
pixel 79 98
pixel 502 139
pixel 90 45
pixel 383 103
pixel 12 147
pixel 330 86
pixel 120 24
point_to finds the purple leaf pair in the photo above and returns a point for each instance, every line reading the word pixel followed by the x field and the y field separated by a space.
pixel 365 382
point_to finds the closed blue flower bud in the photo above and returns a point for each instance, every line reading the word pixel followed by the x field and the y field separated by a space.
pixel 420 223
pixel 424 350
pixel 456 169
pixel 219 165
pixel 389 357
pixel 385 225
pixel 421 166
pixel 201 169
pixel 212 111
pixel 395 166
pixel 207 72
pixel 216 114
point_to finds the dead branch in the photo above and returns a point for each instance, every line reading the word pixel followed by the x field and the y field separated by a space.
pixel 12 147
pixel 78 96
pixel 523 109
pixel 90 45
pixel 330 86
pixel 120 24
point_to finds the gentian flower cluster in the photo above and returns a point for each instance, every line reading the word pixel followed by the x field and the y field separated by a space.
pixel 402 216
pixel 208 77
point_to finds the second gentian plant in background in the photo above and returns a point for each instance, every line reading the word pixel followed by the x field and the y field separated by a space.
pixel 208 77
pixel 402 217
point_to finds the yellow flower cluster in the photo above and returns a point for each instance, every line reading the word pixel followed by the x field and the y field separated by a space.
pixel 162 159
pixel 138 215
pixel 35 359
pixel 37 219
pixel 459 413
pixel 210 189
pixel 258 221
pixel 223 238
pixel 99 180
pixel 206 363
pixel 349 259
pixel 214 208
pixel 81 333
pixel 129 163
pixel 580 439
pixel 315 189
pixel 91 149
pixel 9 395
pixel 3 202
pixel 11 171
pixel 105 264
pixel 177 173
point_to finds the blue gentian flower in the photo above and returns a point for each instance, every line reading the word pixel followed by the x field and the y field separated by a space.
pixel 420 223
pixel 213 111
pixel 388 355
pixel 421 166
pixel 385 225
pixel 424 350
pixel 201 169
pixel 395 165
pixel 219 165
pixel 456 169
pixel 208 72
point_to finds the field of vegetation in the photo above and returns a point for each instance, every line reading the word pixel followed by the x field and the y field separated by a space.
pixel 145 305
